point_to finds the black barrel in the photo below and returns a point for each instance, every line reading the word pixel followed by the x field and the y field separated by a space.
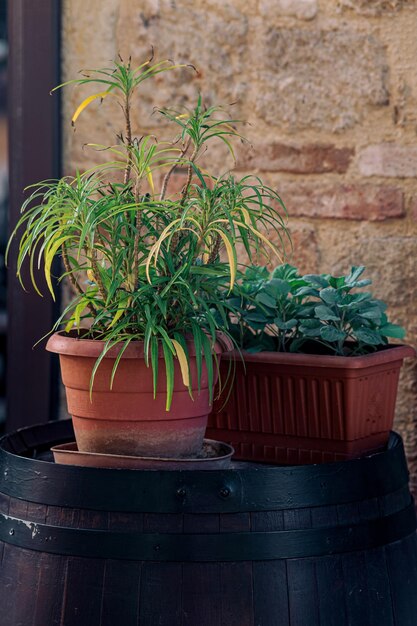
pixel 328 545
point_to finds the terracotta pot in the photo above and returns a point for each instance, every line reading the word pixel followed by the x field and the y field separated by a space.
pixel 127 419
pixel 302 408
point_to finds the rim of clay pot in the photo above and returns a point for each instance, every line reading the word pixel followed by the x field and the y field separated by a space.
pixel 68 344
pixel 393 352
pixel 69 454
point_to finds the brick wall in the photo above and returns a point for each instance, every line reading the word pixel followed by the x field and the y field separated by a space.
pixel 329 91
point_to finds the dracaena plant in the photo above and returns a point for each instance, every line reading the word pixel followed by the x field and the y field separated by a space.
pixel 284 311
pixel 145 263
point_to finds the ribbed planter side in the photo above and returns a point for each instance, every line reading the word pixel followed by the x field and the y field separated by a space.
pixel 296 408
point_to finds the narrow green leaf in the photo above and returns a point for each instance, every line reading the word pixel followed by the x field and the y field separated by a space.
pixel 208 358
pixel 117 360
pixel 154 363
pixel 169 371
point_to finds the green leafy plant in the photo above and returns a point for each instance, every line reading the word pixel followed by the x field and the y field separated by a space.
pixel 283 311
pixel 146 264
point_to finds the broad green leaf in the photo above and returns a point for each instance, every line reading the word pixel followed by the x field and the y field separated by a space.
pixel 330 333
pixel 355 272
pixel 306 291
pixel 256 317
pixel 266 300
pixel 316 280
pixel 330 295
pixel 324 313
pixel 278 287
pixel 310 332
pixel 310 323
pixel 363 283
pixel 368 336
pixel 392 330
pixel 287 325
pixel 371 313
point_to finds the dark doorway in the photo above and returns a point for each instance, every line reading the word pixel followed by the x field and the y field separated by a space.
pixel 33 30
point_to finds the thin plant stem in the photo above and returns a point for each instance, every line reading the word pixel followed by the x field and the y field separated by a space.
pixel 129 141
pixel 76 287
pixel 185 189
pixel 137 236
pixel 215 250
pixel 189 176
pixel 96 274
pixel 173 168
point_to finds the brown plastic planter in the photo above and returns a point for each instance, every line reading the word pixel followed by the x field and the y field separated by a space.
pixel 301 408
pixel 127 419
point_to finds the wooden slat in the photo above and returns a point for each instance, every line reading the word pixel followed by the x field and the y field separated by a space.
pixel 201 592
pixel 302 592
pixel 402 571
pixel 379 592
pixel 121 589
pixel 83 592
pixel 270 593
pixel 201 598
pixel 50 596
pixel 237 594
pixel 160 594
pixel 20 570
pixel 330 591
pixel 301 576
pixel 356 588
pixel 237 602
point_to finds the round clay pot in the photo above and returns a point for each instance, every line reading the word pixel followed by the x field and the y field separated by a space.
pixel 127 419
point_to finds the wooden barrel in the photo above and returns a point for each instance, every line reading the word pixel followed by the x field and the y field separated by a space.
pixel 328 545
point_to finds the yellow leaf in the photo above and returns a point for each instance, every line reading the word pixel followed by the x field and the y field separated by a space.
pixel 86 102
pixel 231 255
pixel 77 313
pixel 154 251
pixel 90 276
pixel 182 358
pixel 76 318
pixel 150 179
pixel 69 325
pixel 245 214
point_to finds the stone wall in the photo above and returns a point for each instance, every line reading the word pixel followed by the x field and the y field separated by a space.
pixel 329 91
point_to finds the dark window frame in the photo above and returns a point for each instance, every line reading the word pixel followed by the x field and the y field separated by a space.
pixel 34 120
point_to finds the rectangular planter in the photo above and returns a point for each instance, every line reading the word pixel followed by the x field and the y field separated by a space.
pixel 302 408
